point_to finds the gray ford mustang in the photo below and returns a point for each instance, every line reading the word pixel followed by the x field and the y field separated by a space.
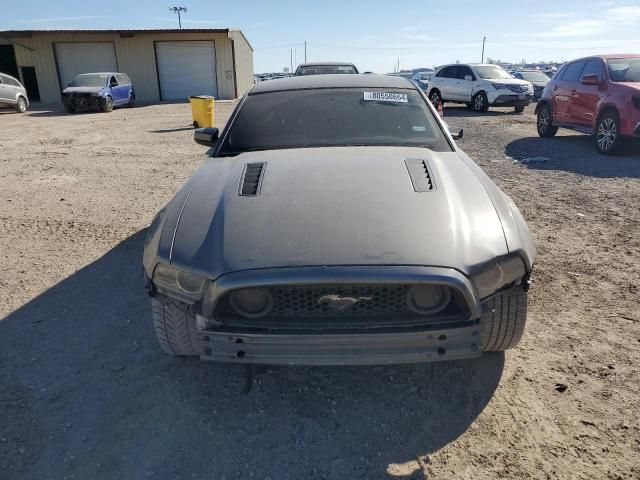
pixel 337 222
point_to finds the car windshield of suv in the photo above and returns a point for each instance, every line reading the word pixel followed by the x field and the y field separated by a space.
pixel 624 69
pixel 326 69
pixel 334 118
pixel 492 72
pixel 534 77
pixel 85 80
pixel 425 77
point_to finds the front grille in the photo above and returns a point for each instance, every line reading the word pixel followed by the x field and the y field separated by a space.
pixel 373 300
pixel 518 88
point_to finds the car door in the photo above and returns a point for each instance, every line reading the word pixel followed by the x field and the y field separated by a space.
pixel 465 83
pixel 584 98
pixel 116 90
pixel 564 89
pixel 446 78
pixel 4 90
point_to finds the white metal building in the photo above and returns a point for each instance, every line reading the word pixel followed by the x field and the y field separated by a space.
pixel 163 64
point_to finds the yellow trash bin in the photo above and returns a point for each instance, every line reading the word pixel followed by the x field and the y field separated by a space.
pixel 202 111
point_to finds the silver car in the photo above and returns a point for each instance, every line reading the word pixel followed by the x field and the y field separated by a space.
pixel 337 222
pixel 12 93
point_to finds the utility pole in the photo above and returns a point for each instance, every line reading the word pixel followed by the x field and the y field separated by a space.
pixel 483 40
pixel 178 10
pixel 305 51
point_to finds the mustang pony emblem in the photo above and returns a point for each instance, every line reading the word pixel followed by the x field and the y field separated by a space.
pixel 339 303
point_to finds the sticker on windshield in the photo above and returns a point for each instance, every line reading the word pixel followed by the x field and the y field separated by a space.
pixel 418 128
pixel 386 97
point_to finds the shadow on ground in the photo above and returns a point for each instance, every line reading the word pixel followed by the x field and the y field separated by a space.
pixel 461 111
pixel 576 154
pixel 85 392
pixel 171 130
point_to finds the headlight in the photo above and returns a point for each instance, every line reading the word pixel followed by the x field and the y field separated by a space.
pixel 500 86
pixel 428 299
pixel 251 302
pixel 171 280
pixel 498 275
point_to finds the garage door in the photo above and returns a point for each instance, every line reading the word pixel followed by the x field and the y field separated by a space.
pixel 186 68
pixel 89 57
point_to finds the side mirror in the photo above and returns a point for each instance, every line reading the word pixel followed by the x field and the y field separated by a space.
pixel 590 79
pixel 468 77
pixel 206 136
pixel 458 136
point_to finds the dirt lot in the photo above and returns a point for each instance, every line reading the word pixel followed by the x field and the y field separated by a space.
pixel 86 393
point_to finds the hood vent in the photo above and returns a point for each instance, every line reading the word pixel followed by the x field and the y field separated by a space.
pixel 420 175
pixel 252 179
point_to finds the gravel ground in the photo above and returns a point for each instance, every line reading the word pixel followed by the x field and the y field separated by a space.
pixel 86 393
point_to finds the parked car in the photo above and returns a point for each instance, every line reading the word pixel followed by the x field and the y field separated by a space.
pixel 479 86
pixel 100 91
pixel 536 78
pixel 12 93
pixel 421 79
pixel 325 68
pixel 337 223
pixel 597 95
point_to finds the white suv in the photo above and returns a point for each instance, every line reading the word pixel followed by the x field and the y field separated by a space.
pixel 479 86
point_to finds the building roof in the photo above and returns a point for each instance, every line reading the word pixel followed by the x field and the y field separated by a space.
pixel 332 81
pixel 126 31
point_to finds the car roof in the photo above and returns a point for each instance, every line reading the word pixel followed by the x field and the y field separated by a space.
pixel 610 56
pixel 331 64
pixel 332 81
pixel 101 73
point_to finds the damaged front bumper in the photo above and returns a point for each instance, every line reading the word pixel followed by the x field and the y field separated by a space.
pixel 459 342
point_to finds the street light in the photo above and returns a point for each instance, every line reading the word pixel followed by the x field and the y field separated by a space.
pixel 178 10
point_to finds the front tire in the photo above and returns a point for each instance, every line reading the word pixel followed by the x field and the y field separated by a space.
pixel 21 105
pixel 608 133
pixel 175 327
pixel 502 325
pixel 480 102
pixel 435 98
pixel 132 101
pixel 106 104
pixel 544 123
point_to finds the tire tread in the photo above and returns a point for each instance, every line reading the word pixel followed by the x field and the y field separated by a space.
pixel 502 325
pixel 175 327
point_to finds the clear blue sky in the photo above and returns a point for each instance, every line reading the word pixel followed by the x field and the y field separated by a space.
pixel 373 34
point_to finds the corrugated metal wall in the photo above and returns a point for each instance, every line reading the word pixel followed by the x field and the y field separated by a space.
pixel 243 61
pixel 135 56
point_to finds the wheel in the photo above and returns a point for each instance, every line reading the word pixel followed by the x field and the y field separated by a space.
pixel 435 98
pixel 519 109
pixel 480 102
pixel 544 124
pixel 106 104
pixel 68 107
pixel 21 106
pixel 132 101
pixel 608 133
pixel 175 326
pixel 502 326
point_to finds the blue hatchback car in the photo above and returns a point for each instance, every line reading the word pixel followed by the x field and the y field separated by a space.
pixel 100 91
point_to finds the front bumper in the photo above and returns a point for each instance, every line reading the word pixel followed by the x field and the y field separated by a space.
pixel 82 101
pixel 454 343
pixel 512 100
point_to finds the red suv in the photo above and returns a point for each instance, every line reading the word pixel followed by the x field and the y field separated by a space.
pixel 596 95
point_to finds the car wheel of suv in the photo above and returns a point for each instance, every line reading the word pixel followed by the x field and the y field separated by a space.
pixel 106 104
pixel 175 326
pixel 545 127
pixel 480 102
pixel 608 133
pixel 502 326
pixel 435 98
pixel 21 106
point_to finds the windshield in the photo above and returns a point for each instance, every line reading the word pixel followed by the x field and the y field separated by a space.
pixel 90 81
pixel 326 69
pixel 425 77
pixel 624 69
pixel 492 72
pixel 534 77
pixel 334 117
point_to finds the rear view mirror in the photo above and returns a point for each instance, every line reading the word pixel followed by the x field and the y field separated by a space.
pixel 590 79
pixel 206 136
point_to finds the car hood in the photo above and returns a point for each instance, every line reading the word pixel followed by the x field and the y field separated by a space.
pixel 508 81
pixel 540 84
pixel 334 206
pixel 82 90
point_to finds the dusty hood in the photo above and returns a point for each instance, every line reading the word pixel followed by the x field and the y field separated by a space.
pixel 336 206
pixel 82 89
